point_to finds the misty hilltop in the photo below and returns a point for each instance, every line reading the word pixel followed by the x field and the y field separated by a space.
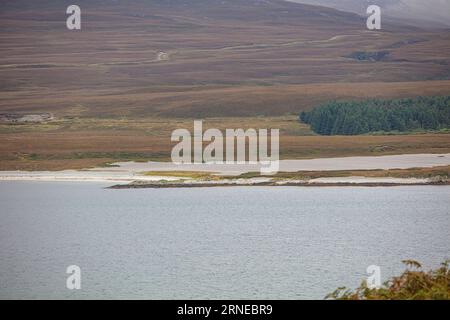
pixel 422 13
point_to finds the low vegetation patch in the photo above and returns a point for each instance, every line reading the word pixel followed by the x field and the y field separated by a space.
pixel 369 56
pixel 442 172
pixel 184 174
pixel 413 284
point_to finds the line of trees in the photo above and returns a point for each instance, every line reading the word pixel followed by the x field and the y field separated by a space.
pixel 374 115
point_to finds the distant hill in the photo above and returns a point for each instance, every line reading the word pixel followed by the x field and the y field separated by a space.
pixel 204 57
pixel 260 10
pixel 422 13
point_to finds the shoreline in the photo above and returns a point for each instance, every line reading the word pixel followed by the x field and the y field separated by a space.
pixel 351 171
pixel 309 185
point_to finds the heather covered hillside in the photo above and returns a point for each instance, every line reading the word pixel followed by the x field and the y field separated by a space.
pixel 204 58
pixel 139 69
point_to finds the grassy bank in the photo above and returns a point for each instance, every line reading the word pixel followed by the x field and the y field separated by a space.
pixel 76 143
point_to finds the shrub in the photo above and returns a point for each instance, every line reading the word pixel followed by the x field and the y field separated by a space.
pixel 413 284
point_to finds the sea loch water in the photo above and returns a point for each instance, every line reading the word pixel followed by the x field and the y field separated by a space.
pixel 218 243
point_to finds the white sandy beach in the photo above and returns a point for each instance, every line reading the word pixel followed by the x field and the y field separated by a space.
pixel 323 164
pixel 126 172
pixel 80 176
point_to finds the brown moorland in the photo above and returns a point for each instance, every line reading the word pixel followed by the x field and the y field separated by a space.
pixel 235 63
pixel 80 143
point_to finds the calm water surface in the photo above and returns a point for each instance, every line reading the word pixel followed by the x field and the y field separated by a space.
pixel 222 243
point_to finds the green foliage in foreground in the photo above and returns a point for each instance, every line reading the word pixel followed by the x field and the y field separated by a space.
pixel 413 284
pixel 353 117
